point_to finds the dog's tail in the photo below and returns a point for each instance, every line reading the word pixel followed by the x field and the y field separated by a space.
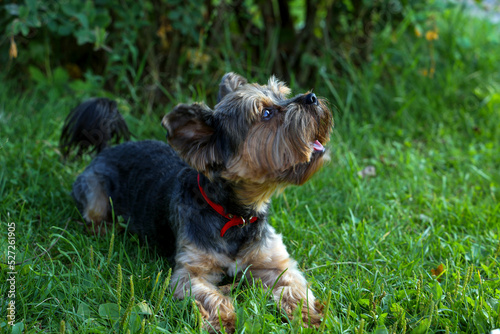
pixel 91 126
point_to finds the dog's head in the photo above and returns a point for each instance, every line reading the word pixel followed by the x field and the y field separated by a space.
pixel 256 135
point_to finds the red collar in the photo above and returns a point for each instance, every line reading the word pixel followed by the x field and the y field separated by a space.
pixel 233 220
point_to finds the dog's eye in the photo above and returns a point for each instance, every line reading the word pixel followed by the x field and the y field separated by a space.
pixel 267 114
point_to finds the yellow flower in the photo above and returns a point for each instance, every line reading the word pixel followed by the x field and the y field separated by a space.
pixel 198 58
pixel 162 32
pixel 428 73
pixel 431 35
pixel 13 48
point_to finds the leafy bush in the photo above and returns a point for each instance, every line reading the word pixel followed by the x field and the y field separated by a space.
pixel 149 49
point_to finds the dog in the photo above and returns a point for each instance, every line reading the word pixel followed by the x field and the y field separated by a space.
pixel 203 198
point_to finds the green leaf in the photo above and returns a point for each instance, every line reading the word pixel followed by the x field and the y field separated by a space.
pixel 24 29
pixel 481 321
pixel 69 9
pixel 60 76
pixel 16 26
pixel 471 301
pixel 381 329
pixel 32 5
pixel 83 310
pixel 364 302
pixel 109 311
pixel 66 28
pixel 134 322
pixel 142 308
pixel 422 327
pixel 84 36
pixel 437 291
pixel 37 75
pixel 100 37
pixel 18 328
pixel 382 317
pixel 12 9
pixel 174 15
pixel 102 19
pixel 23 12
pixel 82 18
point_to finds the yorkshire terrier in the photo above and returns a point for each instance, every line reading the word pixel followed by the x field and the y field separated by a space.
pixel 204 197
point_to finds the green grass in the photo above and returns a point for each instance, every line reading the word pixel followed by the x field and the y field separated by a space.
pixel 370 243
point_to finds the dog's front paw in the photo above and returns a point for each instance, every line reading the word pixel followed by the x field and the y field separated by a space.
pixel 215 326
pixel 311 317
pixel 214 323
pixel 300 313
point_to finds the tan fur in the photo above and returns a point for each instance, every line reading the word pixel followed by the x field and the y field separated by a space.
pixel 197 273
pixel 273 148
pixel 278 86
pixel 254 194
pixel 97 209
pixel 267 263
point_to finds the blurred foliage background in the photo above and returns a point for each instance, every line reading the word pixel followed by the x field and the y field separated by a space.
pixel 147 50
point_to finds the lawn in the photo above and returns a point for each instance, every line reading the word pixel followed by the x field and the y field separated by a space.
pixel 400 232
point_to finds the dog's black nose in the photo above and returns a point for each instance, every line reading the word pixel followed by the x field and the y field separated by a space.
pixel 311 99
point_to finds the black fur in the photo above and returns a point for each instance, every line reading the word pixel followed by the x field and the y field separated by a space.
pixel 151 186
pixel 155 190
pixel 91 125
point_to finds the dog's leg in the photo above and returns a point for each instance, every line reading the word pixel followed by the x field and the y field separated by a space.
pixel 272 264
pixel 92 200
pixel 197 273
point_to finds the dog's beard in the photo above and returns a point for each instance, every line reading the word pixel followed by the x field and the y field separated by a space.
pixel 286 149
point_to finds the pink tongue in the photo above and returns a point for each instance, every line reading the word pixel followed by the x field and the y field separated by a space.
pixel 318 147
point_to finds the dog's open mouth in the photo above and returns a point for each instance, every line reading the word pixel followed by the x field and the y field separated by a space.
pixel 318 147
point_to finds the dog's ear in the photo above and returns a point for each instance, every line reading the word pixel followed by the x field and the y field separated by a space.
pixel 230 81
pixel 192 137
